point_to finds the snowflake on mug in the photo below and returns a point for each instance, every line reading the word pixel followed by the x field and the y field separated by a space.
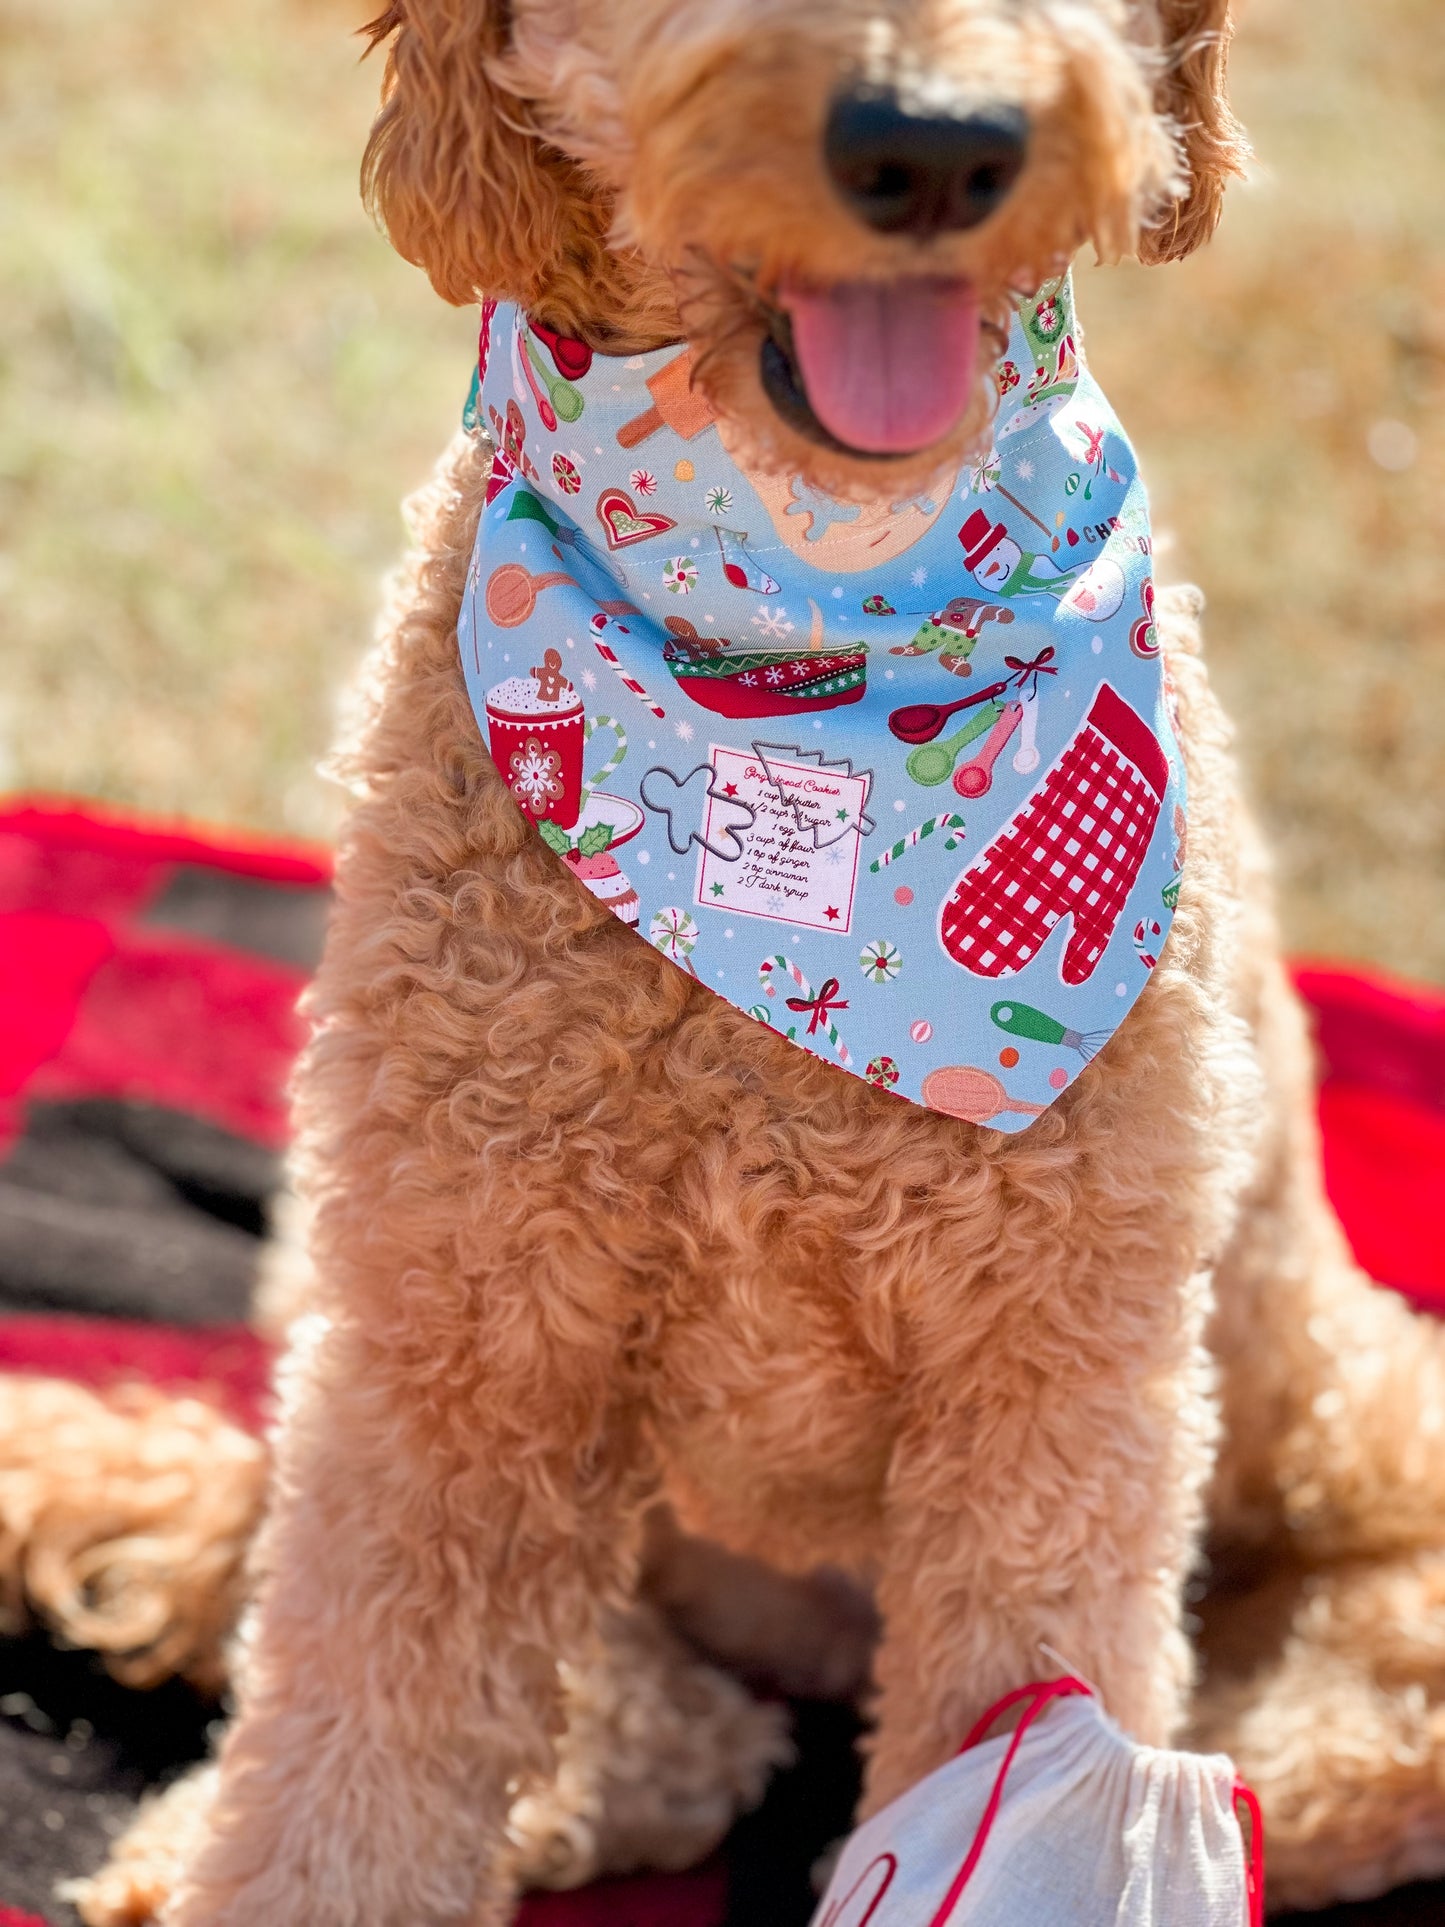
pixel 719 501
pixel 680 575
pixel 642 481
pixel 536 774
pixel 773 622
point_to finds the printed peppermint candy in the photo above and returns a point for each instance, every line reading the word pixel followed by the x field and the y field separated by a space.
pixel 834 677
pixel 881 961
pixel 675 934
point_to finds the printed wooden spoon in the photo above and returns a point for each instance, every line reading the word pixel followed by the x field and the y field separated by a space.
pixel 974 1095
pixel 512 592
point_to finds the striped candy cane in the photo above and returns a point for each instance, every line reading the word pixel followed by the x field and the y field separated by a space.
pixel 769 972
pixel 948 821
pixel 610 768
pixel 609 656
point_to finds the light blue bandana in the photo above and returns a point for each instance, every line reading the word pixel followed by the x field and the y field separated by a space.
pixel 900 780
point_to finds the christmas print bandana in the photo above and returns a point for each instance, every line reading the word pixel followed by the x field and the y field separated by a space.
pixel 899 779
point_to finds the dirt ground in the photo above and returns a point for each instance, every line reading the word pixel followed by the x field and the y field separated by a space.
pixel 216 383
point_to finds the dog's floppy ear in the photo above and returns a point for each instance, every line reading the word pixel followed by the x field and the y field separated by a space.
pixel 1193 93
pixel 455 169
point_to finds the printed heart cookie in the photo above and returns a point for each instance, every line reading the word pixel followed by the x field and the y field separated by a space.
pixel 624 523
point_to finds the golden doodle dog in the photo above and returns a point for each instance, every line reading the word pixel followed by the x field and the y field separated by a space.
pixel 586 1239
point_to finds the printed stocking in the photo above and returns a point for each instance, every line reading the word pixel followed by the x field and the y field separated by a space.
pixel 1074 850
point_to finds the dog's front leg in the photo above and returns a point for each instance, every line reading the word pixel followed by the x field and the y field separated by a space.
pixel 439 1538
pixel 1043 1500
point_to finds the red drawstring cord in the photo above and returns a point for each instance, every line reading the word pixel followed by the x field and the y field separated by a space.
pixel 1040 1697
pixel 1253 1850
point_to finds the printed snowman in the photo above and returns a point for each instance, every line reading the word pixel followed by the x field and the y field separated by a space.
pixel 1006 570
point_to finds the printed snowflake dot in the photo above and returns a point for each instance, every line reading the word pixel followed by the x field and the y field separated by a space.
pixel 773 622
pixel 881 961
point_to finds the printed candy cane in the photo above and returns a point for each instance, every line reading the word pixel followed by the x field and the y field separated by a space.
pixel 948 821
pixel 817 1008
pixel 609 768
pixel 609 656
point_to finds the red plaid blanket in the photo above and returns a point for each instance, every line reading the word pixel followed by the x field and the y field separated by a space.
pixel 148 979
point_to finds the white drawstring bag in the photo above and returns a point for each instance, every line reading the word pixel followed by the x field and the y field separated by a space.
pixel 1062 1823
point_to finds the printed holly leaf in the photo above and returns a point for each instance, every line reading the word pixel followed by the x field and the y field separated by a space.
pixel 595 840
pixel 555 837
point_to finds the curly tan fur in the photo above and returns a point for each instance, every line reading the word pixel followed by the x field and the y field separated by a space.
pixel 124 1522
pixel 585 1237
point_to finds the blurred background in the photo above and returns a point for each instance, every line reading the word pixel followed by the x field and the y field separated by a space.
pixel 217 382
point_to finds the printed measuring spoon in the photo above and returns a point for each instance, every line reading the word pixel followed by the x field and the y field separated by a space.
pixel 975 779
pixel 932 763
pixel 566 400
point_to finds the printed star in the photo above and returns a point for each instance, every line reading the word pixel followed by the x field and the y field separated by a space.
pixel 830 913
pixel 842 815
pixel 717 889
pixel 730 789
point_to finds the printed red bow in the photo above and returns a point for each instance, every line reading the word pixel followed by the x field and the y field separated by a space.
pixel 1023 672
pixel 819 1007
pixel 1029 672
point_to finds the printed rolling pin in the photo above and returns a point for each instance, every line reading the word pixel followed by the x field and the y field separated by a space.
pixel 676 404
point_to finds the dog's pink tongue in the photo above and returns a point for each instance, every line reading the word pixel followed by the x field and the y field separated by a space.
pixel 889 367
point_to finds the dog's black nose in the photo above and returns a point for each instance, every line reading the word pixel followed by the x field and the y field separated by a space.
pixel 922 173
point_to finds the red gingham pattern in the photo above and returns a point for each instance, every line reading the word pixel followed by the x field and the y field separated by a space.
pixel 1074 850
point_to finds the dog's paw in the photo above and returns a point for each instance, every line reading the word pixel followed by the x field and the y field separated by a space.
pixel 661 1754
pixel 144 1868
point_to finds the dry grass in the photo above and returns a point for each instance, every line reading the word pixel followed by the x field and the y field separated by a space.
pixel 215 383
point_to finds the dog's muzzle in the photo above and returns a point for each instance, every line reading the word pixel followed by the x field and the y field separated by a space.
pixel 922 173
